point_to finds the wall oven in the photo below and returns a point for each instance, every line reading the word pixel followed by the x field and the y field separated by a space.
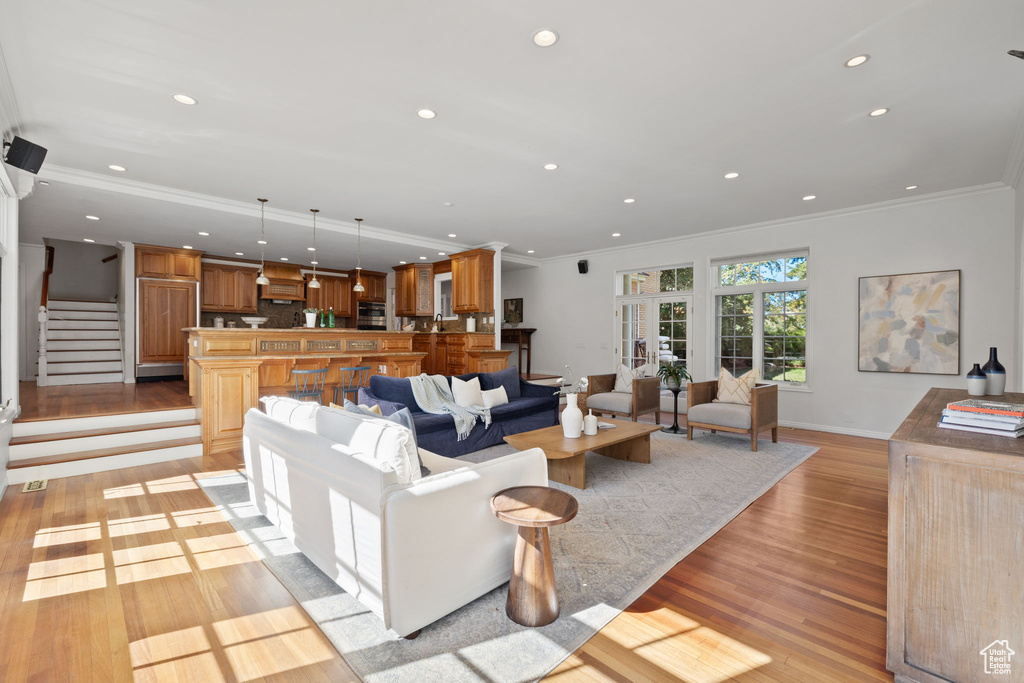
pixel 371 316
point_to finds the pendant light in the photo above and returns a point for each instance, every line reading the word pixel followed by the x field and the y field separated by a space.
pixel 314 283
pixel 359 253
pixel 262 279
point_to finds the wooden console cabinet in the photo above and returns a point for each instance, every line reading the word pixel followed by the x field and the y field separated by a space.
pixel 956 547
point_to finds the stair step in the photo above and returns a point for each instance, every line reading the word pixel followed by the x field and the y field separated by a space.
pixel 57 379
pixel 77 345
pixel 102 452
pixel 55 356
pixel 101 431
pixel 74 314
pixel 80 305
pixel 43 445
pixel 82 325
pixel 82 335
pixel 50 468
pixel 54 425
pixel 69 367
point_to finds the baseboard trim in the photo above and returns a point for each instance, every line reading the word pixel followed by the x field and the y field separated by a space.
pixel 868 434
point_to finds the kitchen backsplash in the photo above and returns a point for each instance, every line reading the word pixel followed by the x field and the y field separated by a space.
pixel 423 323
pixel 278 316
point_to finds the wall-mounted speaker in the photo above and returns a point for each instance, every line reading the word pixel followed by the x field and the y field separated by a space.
pixel 582 265
pixel 25 155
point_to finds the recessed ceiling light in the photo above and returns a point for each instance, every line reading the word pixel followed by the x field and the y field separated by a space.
pixel 314 263
pixel 628 200
pixel 204 234
pixel 115 167
pixel 879 112
pixel 186 246
pixel 359 267
pixel 44 182
pixel 616 234
pixel 310 248
pixel 810 197
pixel 238 253
pixel 452 234
pixel 550 167
pixel 529 251
pixel 261 241
pixel 86 239
pixel 284 258
pixel 184 99
pixel 93 218
pixel 402 263
pixel 911 187
pixel 545 38
pixel 732 174
pixel 857 61
pixel 442 253
pixel 423 258
pixel 449 204
pixel 426 113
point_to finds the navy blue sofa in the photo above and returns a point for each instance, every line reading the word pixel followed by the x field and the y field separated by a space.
pixel 529 407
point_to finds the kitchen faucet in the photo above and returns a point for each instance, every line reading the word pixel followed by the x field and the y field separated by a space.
pixel 440 322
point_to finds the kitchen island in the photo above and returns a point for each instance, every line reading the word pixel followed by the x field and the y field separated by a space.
pixel 229 369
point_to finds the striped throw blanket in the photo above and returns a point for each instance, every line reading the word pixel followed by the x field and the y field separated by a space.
pixel 433 395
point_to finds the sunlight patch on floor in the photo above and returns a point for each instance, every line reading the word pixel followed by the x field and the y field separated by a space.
pixel 150 562
pixel 123 491
pixel 137 525
pixel 62 576
pixel 184 482
pixel 189 518
pixel 73 533
pixel 221 550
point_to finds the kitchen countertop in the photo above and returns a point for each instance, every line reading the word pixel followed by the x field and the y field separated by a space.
pixel 304 330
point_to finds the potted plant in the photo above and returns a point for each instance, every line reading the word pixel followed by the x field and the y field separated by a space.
pixel 673 374
pixel 311 314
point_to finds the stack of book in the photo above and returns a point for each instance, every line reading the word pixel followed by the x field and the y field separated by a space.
pixel 984 417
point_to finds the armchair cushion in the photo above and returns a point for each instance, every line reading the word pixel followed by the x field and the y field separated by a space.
pixel 724 414
pixel 612 400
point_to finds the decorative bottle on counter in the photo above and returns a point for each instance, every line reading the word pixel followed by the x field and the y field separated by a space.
pixel 976 381
pixel 995 374
pixel 330 317
pixel 323 318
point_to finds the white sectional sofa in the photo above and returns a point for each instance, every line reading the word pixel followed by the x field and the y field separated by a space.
pixel 410 548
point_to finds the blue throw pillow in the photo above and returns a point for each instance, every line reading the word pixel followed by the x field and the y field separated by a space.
pixel 402 417
pixel 508 378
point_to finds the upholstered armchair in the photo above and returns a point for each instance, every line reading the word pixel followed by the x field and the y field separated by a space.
pixel 644 398
pixel 761 414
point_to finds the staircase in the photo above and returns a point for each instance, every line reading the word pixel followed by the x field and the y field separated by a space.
pixel 48 449
pixel 82 344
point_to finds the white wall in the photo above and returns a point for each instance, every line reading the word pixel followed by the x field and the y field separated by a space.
pixel 32 263
pixel 79 271
pixel 9 405
pixel 973 231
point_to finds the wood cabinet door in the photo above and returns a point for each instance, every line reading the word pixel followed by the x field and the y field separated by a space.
pixel 184 266
pixel 405 292
pixel 378 289
pixel 342 295
pixel 315 296
pixel 165 308
pixel 423 288
pixel 245 290
pixel 151 263
pixel 210 293
pixel 462 285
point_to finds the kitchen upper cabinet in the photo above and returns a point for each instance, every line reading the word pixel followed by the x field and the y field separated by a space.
pixel 375 284
pixel 333 292
pixel 167 263
pixel 414 289
pixel 165 308
pixel 230 289
pixel 473 281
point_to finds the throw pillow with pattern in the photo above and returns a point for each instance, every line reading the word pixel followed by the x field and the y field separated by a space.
pixel 735 389
pixel 624 377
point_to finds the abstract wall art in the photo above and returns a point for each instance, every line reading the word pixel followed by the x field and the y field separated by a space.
pixel 910 323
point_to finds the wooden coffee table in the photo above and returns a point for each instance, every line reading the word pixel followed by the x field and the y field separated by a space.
pixel 567 460
pixel 532 598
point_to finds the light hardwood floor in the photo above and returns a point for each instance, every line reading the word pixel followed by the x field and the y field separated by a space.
pixel 133 574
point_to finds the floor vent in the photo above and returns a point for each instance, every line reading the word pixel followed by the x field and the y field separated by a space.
pixel 37 485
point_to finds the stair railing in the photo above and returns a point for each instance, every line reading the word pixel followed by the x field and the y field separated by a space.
pixel 43 317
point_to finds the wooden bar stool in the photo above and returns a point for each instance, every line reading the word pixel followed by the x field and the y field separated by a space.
pixel 351 380
pixel 312 384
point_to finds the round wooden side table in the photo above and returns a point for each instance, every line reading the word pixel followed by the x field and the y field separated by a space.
pixel 532 598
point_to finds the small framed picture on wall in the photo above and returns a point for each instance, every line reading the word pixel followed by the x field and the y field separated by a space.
pixel 513 312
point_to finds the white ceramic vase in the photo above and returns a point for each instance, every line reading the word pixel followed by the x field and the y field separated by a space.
pixel 311 320
pixel 572 418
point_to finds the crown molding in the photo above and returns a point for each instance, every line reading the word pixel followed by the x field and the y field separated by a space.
pixel 750 227
pixel 10 116
pixel 168 194
pixel 1014 171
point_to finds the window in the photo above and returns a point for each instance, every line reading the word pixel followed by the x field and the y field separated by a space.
pixel 653 307
pixel 761 316
pixel 656 281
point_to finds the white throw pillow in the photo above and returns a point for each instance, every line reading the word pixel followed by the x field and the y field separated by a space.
pixel 735 389
pixel 385 441
pixel 624 377
pixel 467 393
pixel 298 414
pixel 494 397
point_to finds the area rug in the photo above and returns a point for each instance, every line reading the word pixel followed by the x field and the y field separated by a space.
pixel 634 523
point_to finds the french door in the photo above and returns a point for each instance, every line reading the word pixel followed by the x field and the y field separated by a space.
pixel 654 331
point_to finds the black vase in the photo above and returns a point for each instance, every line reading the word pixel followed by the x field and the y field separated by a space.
pixel 995 374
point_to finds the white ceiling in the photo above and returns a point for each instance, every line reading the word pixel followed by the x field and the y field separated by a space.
pixel 314 106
